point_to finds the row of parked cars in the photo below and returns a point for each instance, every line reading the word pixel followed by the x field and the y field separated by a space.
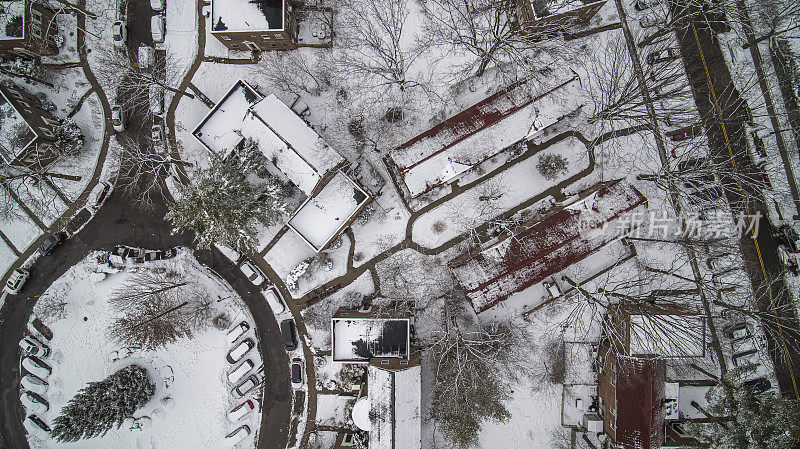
pixel 33 386
pixel 746 353
pixel 240 376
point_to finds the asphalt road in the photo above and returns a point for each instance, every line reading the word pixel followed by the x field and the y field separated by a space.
pixel 114 224
pixel 735 116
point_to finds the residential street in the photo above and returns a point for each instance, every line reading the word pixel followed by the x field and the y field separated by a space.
pixel 760 257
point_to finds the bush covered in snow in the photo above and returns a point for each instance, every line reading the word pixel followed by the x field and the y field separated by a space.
pixel 551 166
pixel 69 138
pixel 102 405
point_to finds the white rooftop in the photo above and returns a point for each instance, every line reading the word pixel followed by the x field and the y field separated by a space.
pixel 247 15
pixel 667 335
pixel 15 133
pixel 322 217
pixel 284 138
pixel 361 339
pixel 395 398
pixel 13 11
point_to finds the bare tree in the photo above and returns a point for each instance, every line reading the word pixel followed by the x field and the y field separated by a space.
pixel 377 54
pixel 159 307
pixel 295 71
pixel 143 171
pixel 474 366
pixel 614 88
pixel 29 185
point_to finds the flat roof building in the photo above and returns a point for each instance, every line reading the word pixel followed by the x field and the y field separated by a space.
pixel 359 336
pixel 253 25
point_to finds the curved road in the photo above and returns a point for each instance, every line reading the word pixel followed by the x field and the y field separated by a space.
pixel 117 223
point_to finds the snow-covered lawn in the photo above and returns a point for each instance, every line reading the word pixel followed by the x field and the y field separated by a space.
pixel 20 228
pixel 515 185
pixel 192 372
pixel 7 257
pixel 334 410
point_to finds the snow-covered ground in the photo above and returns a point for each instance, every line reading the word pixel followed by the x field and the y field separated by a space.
pixel 192 372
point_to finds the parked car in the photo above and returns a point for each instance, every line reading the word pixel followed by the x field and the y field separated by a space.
pixel 157 5
pixel 119 33
pixel 759 385
pixel 36 426
pixel 252 273
pixel 34 403
pixel 663 55
pixel 157 133
pixel 789 259
pixel 288 334
pixel 789 237
pixel 51 243
pixel 156 99
pixel 743 345
pixel 99 194
pixel 738 331
pixel 240 411
pixel 157 28
pixel 32 346
pixel 240 371
pixel 240 350
pixel 236 437
pixel 297 372
pixel 146 56
pixel 275 300
pixel 245 387
pixel 750 358
pixel 237 331
pixel 29 382
pixel 36 367
pixel 687 132
pixel 16 281
pixel 118 118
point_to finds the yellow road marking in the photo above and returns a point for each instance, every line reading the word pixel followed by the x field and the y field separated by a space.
pixel 747 209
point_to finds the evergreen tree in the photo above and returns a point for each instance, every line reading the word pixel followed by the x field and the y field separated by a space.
pixel 102 405
pixel 223 206
pixel 745 419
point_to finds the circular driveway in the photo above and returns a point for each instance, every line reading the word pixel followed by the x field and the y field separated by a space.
pixel 116 223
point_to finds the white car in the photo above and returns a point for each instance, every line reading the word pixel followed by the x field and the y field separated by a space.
pixel 156 99
pixel 252 273
pixel 118 118
pixel 157 5
pixel 240 350
pixel 157 28
pixel 33 403
pixel 146 56
pixel 236 437
pixel 240 411
pixel 36 426
pixel 240 371
pixel 119 33
pixel 32 346
pixel 32 383
pixel 36 367
pixel 275 300
pixel 16 281
pixel 237 332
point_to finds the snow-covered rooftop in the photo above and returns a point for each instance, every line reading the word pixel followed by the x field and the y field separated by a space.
pixel 360 339
pixel 547 247
pixel 468 138
pixel 15 133
pixel 247 15
pixel 395 398
pixel 12 19
pixel 668 335
pixel 284 138
pixel 323 216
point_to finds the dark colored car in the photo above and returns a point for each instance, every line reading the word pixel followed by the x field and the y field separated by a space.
pixel 759 385
pixel 50 244
pixel 288 334
pixel 297 372
pixel 667 54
